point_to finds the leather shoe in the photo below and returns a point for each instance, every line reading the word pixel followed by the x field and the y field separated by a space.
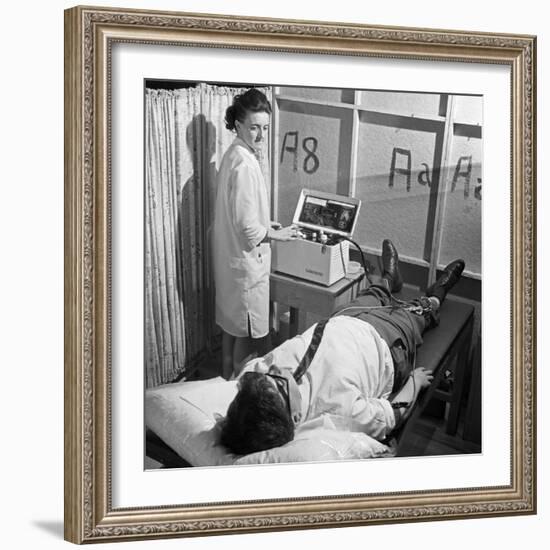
pixel 390 266
pixel 450 276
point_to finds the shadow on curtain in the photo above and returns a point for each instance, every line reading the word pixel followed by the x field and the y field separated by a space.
pixel 185 138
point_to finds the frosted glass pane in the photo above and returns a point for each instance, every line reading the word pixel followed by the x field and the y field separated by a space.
pixel 313 152
pixel 468 109
pixel 320 94
pixel 394 207
pixel 461 237
pixel 401 103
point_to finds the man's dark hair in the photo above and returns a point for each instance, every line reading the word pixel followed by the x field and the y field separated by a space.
pixel 257 418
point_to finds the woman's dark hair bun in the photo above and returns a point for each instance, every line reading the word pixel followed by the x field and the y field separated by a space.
pixel 230 117
pixel 252 101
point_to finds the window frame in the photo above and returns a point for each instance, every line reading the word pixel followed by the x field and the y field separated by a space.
pixel 423 271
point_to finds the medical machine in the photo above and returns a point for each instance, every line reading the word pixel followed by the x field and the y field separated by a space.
pixel 321 254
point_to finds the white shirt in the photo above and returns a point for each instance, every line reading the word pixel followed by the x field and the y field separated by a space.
pixel 349 379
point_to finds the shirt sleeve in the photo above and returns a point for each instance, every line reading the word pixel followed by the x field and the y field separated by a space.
pixel 244 206
pixel 373 416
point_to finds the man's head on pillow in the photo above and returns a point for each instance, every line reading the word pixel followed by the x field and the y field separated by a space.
pixel 263 413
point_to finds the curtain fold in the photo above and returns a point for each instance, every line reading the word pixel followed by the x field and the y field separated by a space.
pixel 190 215
pixel 185 141
pixel 170 233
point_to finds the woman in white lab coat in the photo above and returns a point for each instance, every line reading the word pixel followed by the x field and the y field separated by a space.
pixel 242 231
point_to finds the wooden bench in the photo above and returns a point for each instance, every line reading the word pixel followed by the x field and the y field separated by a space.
pixel 446 353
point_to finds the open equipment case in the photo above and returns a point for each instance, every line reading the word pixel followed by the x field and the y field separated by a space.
pixel 326 221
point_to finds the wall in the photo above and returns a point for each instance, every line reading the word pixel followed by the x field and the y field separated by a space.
pixel 31 278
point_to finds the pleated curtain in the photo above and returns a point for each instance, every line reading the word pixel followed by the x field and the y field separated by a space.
pixel 165 346
pixel 185 140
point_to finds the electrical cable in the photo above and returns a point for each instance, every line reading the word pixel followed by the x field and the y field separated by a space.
pixel 398 301
pixel 363 261
pixel 414 397
pixel 402 305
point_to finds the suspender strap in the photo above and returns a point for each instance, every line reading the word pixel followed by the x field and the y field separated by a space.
pixel 311 350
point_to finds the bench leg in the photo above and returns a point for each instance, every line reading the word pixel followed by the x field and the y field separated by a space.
pixel 294 318
pixel 462 363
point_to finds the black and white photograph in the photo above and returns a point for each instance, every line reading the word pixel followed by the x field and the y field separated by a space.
pixel 313 273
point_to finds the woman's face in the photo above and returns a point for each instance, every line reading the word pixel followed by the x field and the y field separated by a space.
pixel 254 129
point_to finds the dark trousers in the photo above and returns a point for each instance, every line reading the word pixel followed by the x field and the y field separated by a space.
pixel 399 324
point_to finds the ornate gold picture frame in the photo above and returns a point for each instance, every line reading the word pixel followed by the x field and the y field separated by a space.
pixel 90 35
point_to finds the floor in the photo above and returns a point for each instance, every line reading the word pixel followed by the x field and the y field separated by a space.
pixel 428 438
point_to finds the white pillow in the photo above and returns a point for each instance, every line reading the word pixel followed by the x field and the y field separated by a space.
pixel 185 416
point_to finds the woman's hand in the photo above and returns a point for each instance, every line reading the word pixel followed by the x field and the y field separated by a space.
pixel 289 233
pixel 422 377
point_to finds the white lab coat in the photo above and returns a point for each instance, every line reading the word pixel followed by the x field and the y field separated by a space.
pixel 241 262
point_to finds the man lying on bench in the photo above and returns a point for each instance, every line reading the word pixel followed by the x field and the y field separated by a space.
pixel 358 367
